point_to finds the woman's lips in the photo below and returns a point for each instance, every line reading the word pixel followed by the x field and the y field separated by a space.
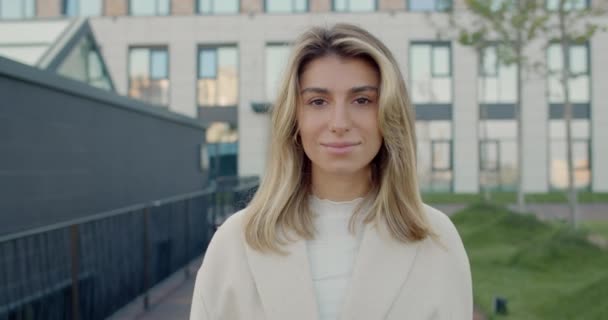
pixel 340 147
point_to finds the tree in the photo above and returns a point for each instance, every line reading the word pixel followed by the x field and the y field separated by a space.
pixel 511 26
pixel 571 24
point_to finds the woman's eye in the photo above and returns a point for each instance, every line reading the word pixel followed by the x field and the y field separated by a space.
pixel 362 101
pixel 317 102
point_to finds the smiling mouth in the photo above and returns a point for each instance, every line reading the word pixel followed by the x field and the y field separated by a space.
pixel 340 148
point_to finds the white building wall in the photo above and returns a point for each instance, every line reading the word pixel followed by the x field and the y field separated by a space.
pixel 465 120
pixel 535 115
pixel 599 112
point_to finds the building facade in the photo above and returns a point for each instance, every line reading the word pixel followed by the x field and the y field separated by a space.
pixel 220 60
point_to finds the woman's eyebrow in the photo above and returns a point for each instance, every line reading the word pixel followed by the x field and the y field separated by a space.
pixel 363 88
pixel 352 90
pixel 315 90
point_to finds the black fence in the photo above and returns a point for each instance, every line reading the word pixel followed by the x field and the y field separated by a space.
pixel 91 267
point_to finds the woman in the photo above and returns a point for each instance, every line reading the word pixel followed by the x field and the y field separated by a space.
pixel 337 229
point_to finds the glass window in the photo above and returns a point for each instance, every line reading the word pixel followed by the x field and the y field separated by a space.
pixel 276 60
pixel 17 9
pixel 83 8
pixel 286 6
pixel 84 64
pixel 498 154
pixel 579 83
pixel 149 75
pixel 497 82
pixel 429 5
pixel 354 5
pixel 150 7
pixel 434 151
pixel 430 70
pixel 218 76
pixel 569 5
pixel 222 149
pixel 581 153
pixel 218 6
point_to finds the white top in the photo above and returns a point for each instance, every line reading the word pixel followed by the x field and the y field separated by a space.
pixel 332 253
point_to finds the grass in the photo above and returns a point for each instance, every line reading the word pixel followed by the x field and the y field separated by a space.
pixel 544 270
pixel 503 197
pixel 596 227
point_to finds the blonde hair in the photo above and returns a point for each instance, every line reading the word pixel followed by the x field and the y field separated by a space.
pixel 280 205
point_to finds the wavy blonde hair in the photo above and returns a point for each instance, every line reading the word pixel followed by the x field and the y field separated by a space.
pixel 280 205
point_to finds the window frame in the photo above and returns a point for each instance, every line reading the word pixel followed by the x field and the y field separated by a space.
pixel 333 7
pixel 156 2
pixel 435 9
pixel 199 11
pixel 201 47
pixel 449 76
pixel 64 8
pixel 293 2
pixel 23 11
pixel 450 145
pixel 150 49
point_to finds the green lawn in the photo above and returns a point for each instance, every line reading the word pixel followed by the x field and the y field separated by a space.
pixel 597 227
pixel 546 271
pixel 511 197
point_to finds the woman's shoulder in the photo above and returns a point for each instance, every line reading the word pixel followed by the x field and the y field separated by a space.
pixel 448 237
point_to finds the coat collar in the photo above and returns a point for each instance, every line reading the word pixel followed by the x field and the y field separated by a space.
pixel 285 286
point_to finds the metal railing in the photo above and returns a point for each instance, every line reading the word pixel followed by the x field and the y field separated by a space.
pixel 90 267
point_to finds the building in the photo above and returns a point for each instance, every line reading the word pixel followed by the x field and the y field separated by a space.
pixel 219 61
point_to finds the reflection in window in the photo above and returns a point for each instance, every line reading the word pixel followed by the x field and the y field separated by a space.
pixel 354 5
pixel 83 8
pixel 498 154
pixel 150 7
pixel 218 76
pixel 580 152
pixel 17 9
pixel 434 150
pixel 286 6
pixel 429 5
pixel 84 63
pixel 579 69
pixel 569 5
pixel 149 75
pixel 497 82
pixel 276 60
pixel 218 6
pixel 431 74
pixel 222 149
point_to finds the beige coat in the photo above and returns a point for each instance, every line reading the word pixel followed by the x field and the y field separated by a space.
pixel 391 280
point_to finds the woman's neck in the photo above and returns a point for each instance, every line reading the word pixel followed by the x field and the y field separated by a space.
pixel 338 187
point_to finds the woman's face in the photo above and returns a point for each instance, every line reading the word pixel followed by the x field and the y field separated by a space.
pixel 338 114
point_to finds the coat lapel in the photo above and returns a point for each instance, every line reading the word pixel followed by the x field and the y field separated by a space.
pixel 284 283
pixel 382 266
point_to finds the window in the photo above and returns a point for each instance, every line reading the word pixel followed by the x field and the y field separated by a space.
pixel 354 5
pixel 429 5
pixel 434 155
pixel 579 70
pixel 17 9
pixel 286 6
pixel 83 8
pixel 580 153
pixel 84 63
pixel 149 74
pixel 276 60
pixel 497 82
pixel 498 154
pixel 222 149
pixel 431 73
pixel 218 81
pixel 218 6
pixel 569 5
pixel 150 7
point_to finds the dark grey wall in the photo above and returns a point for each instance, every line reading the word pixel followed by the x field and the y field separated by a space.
pixel 68 150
